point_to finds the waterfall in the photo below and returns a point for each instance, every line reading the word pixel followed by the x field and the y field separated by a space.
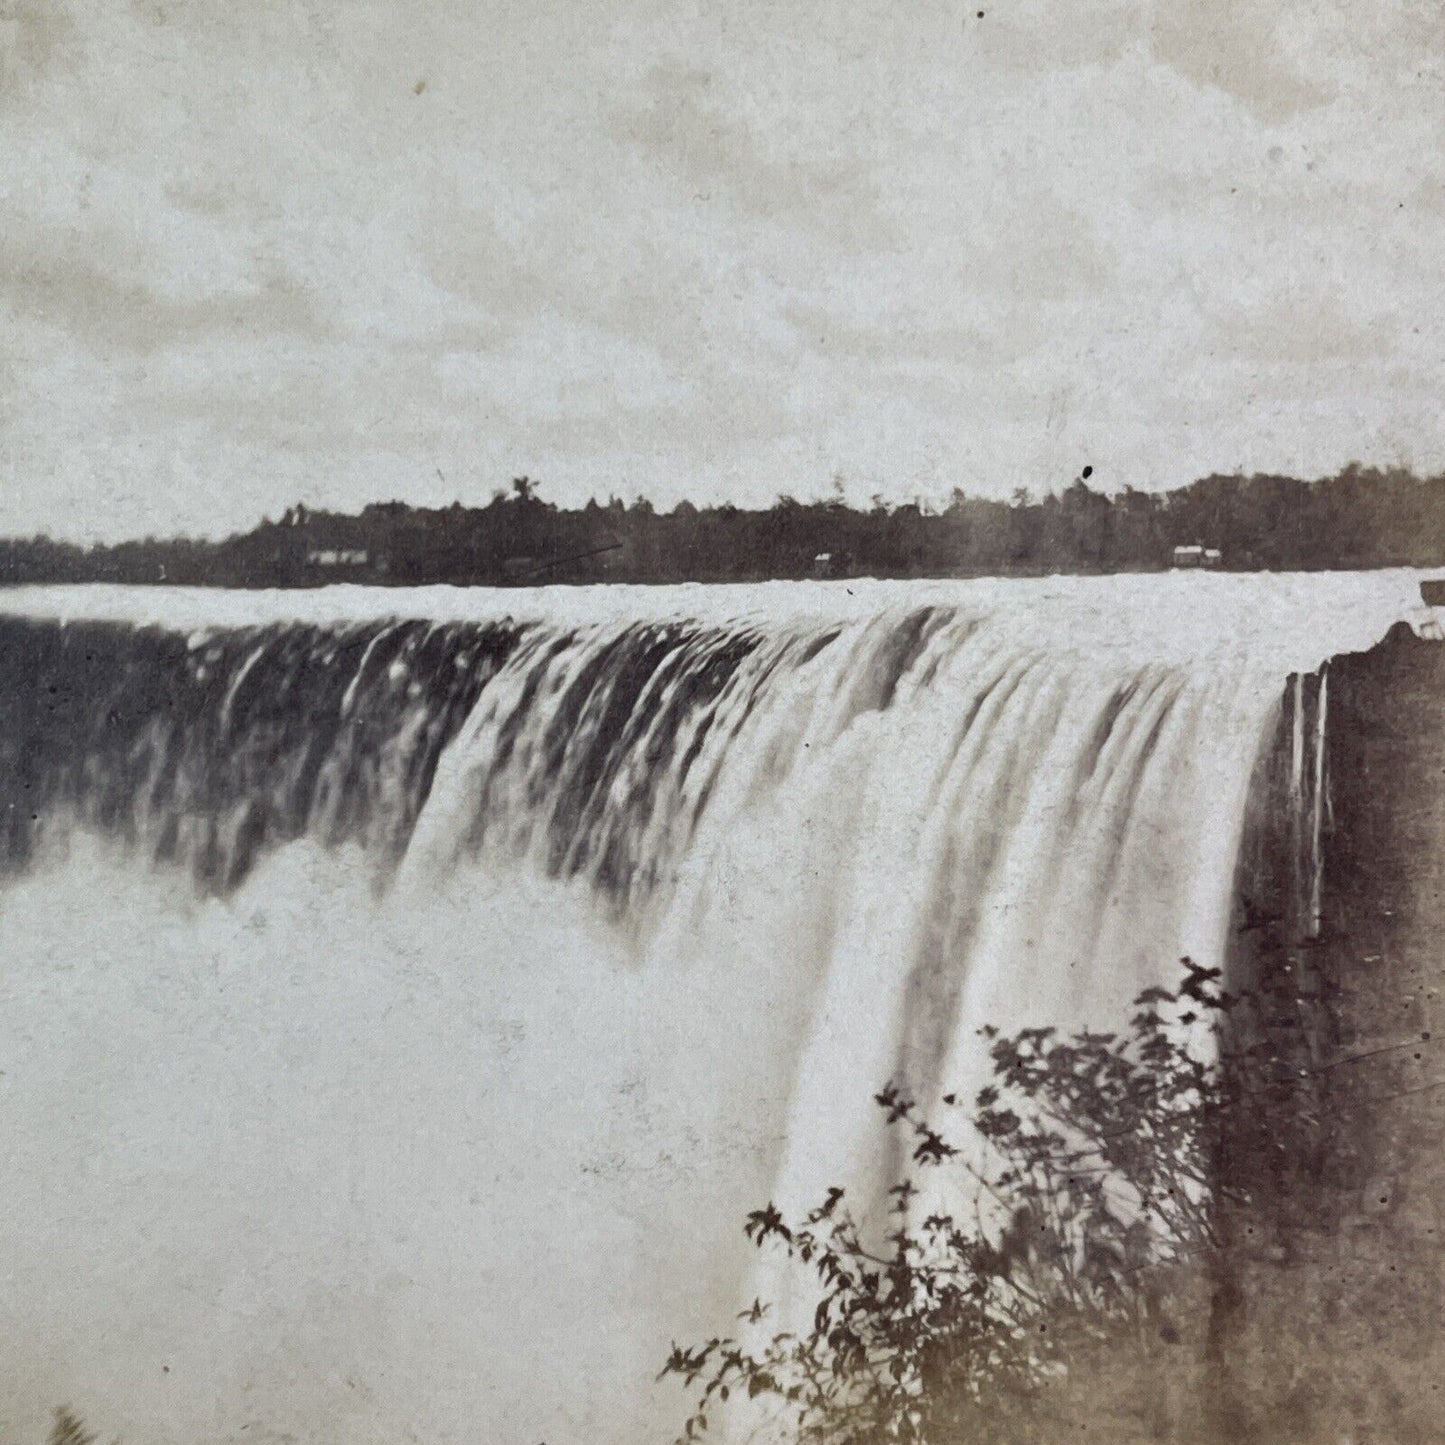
pixel 464 929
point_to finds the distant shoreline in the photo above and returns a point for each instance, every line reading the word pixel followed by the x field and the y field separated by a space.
pixel 1359 519
pixel 404 584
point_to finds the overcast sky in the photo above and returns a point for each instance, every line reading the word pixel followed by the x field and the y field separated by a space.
pixel 255 251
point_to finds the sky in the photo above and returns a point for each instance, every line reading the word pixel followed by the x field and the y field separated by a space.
pixel 261 251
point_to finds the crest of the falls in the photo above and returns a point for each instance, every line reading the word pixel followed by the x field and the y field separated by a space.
pixel 623 735
pixel 729 858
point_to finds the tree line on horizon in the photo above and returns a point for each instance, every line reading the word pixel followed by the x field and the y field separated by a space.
pixel 1360 517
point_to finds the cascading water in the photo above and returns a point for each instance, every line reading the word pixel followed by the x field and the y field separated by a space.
pixel 407 993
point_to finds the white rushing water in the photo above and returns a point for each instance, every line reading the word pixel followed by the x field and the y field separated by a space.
pixel 406 993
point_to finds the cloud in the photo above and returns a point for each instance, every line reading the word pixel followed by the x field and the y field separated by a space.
pixel 61 285
pixel 1306 329
pixel 34 38
pixel 705 250
pixel 688 120
pixel 1235 46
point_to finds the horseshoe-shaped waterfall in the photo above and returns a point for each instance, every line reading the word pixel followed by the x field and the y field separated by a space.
pixel 406 993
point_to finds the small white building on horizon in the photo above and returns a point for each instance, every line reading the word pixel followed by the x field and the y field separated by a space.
pixel 1197 555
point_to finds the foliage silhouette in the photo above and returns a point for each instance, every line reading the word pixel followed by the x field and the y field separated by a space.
pixel 1360 517
pixel 68 1429
pixel 1079 1261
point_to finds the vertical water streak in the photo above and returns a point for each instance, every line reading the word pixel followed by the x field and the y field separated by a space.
pixel 1319 803
pixel 1297 791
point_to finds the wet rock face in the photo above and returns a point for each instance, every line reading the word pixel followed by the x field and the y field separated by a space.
pixel 1356 1300
pixel 1385 901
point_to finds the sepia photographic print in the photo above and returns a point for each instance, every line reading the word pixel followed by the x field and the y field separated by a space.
pixel 722 721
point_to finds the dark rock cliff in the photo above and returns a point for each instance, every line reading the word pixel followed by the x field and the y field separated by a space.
pixel 1342 1327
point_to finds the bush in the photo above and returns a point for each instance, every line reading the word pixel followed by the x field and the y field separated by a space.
pixel 1084 1268
pixel 68 1429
